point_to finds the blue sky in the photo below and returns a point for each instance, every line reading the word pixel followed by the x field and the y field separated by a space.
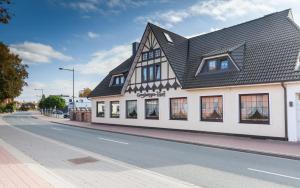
pixel 95 35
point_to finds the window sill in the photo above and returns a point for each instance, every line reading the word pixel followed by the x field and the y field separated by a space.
pixel 114 116
pixel 152 118
pixel 255 122
pixel 181 119
pixel 212 120
pixel 131 117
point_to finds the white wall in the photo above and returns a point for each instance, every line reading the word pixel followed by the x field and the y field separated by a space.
pixel 292 90
pixel 230 123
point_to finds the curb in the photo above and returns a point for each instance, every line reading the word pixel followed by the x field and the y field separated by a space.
pixel 193 143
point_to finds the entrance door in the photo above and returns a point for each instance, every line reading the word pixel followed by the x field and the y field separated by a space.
pixel 298 116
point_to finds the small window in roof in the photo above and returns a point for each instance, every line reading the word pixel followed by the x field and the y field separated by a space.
pixel 169 39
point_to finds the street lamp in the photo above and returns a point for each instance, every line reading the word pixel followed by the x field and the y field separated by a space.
pixel 73 83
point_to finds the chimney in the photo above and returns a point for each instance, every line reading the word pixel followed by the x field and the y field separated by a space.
pixel 135 46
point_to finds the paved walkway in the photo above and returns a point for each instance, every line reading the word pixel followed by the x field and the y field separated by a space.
pixel 260 146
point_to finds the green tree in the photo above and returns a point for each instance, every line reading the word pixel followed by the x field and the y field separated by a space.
pixel 42 102
pixel 5 15
pixel 54 101
pixel 12 74
pixel 85 92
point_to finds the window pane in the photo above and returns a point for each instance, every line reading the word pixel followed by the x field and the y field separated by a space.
pixel 131 109
pixel 150 55
pixel 152 109
pixel 114 109
pixel 212 65
pixel 151 72
pixel 224 64
pixel 254 108
pixel 122 79
pixel 178 108
pixel 212 108
pixel 100 109
pixel 157 71
pixel 157 53
pixel 144 77
pixel 145 56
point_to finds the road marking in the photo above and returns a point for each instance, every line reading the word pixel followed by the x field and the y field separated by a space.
pixel 58 129
pixel 112 140
pixel 272 173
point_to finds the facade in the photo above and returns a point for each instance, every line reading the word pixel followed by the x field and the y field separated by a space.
pixel 242 80
pixel 80 102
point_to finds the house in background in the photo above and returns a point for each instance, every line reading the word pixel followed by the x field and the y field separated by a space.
pixel 241 80
pixel 80 102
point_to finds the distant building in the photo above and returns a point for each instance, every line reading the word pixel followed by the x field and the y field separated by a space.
pixel 80 102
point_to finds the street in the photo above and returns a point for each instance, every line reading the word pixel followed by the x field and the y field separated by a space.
pixel 119 160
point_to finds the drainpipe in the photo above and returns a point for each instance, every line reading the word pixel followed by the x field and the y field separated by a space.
pixel 285 110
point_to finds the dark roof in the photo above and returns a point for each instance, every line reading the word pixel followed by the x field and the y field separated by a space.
pixel 265 49
pixel 176 52
pixel 272 44
pixel 103 89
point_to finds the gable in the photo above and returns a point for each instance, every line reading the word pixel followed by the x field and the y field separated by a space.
pixel 158 64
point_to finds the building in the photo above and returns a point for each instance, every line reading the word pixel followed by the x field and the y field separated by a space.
pixel 241 80
pixel 80 102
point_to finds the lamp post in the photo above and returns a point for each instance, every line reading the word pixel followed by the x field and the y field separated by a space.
pixel 73 84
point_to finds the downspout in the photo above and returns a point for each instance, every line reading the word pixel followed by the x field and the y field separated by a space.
pixel 285 110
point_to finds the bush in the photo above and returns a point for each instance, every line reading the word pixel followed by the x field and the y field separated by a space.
pixel 2 108
pixel 10 107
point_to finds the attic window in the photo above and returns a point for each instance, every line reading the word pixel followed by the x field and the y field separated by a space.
pixel 118 80
pixel 169 39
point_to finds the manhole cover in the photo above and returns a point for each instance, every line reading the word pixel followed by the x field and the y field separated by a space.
pixel 83 160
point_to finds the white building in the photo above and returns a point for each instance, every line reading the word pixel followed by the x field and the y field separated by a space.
pixel 80 102
pixel 241 80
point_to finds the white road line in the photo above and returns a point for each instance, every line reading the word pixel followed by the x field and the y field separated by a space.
pixel 58 129
pixel 272 173
pixel 112 140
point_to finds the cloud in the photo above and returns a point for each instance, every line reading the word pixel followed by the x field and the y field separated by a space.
pixel 202 33
pixel 221 10
pixel 33 53
pixel 103 61
pixel 92 35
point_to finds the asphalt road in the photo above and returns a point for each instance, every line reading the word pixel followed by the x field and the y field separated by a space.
pixel 198 165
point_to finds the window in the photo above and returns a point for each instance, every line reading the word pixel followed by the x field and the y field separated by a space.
pixel 145 56
pixel 151 73
pixel 100 109
pixel 131 109
pixel 157 71
pixel 212 108
pixel 224 64
pixel 169 39
pixel 178 108
pixel 150 55
pixel 157 53
pixel 145 74
pixel 212 65
pixel 152 109
pixel 118 80
pixel 114 109
pixel 254 108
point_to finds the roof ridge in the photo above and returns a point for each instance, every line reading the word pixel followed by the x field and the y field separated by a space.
pixel 151 24
pixel 246 22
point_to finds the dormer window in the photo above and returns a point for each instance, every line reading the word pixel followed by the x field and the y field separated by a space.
pixel 216 65
pixel 212 65
pixel 169 39
pixel 118 80
pixel 224 64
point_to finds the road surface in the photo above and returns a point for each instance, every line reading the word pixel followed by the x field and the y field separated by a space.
pixel 52 145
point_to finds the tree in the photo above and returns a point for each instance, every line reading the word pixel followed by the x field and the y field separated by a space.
pixel 12 74
pixel 54 101
pixel 5 15
pixel 42 102
pixel 85 92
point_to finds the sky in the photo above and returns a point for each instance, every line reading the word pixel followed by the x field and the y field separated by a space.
pixel 94 36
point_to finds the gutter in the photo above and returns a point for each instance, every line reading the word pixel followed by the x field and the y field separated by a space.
pixel 285 110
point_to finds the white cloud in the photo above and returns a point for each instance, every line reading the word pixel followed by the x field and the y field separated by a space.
pixel 222 10
pixel 32 53
pixel 104 61
pixel 202 33
pixel 92 35
pixel 86 6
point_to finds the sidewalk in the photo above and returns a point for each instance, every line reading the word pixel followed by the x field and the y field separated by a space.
pixel 251 145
